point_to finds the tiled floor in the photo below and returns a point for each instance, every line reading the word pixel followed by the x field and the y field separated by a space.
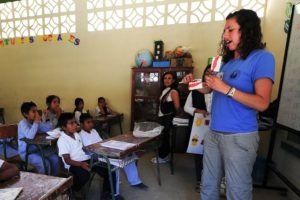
pixel 179 186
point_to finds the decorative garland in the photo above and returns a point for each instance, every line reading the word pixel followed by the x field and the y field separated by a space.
pixel 45 38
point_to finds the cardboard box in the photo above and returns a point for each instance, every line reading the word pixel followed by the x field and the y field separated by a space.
pixel 181 62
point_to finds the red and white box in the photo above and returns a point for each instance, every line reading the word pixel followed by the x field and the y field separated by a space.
pixel 216 64
pixel 196 84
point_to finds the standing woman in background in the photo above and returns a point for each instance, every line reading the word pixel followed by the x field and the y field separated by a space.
pixel 248 76
pixel 169 104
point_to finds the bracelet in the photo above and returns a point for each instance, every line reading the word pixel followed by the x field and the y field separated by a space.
pixel 228 91
pixel 231 92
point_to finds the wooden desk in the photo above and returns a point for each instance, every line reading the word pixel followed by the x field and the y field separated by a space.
pixel 140 144
pixel 109 119
pixel 40 141
pixel 38 186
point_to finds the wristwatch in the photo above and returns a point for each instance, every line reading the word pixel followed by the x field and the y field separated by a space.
pixel 231 92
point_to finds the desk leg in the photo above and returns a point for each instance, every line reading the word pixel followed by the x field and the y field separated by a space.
pixel 110 179
pixel 120 124
pixel 173 136
pixel 158 169
pixel 4 149
pixel 43 159
pixel 26 157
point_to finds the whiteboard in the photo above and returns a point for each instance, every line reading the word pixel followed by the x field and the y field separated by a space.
pixel 289 95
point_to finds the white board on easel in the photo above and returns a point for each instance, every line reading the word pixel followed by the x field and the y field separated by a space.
pixel 289 101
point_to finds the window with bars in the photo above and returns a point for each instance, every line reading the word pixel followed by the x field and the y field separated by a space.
pixel 37 17
pixel 41 17
pixel 122 14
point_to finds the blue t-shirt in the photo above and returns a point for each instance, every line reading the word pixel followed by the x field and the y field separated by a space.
pixel 228 115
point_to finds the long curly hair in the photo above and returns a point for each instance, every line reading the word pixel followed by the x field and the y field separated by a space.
pixel 251 35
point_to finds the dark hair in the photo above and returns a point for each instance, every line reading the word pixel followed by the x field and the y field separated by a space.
pixel 77 102
pixel 50 98
pixel 174 75
pixel 64 118
pixel 101 98
pixel 26 106
pixel 251 35
pixel 85 116
pixel 205 70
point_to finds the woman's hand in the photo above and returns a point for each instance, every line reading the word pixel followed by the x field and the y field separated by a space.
pixel 216 84
pixel 188 78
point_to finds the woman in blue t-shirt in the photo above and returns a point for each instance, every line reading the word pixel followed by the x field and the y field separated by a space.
pixel 246 87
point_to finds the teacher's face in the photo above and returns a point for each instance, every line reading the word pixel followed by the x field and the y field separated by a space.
pixel 168 80
pixel 232 34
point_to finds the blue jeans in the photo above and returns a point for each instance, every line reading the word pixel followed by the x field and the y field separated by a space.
pixel 131 172
pixel 52 163
pixel 234 155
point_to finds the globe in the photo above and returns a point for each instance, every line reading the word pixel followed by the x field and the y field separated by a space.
pixel 144 58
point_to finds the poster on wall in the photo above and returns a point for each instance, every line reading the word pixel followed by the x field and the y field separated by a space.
pixel 40 39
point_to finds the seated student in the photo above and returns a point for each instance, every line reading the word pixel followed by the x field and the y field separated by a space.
pixel 90 136
pixel 103 109
pixel 53 110
pixel 76 160
pixel 79 104
pixel 7 170
pixel 28 128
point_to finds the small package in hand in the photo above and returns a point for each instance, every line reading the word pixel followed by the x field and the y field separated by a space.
pixel 216 64
pixel 196 84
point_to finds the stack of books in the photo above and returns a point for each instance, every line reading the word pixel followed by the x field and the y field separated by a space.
pixel 180 121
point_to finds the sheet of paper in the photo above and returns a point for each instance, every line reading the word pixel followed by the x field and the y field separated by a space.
pixel 10 193
pixel 117 145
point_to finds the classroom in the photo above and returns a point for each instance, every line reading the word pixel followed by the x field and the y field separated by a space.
pixel 109 63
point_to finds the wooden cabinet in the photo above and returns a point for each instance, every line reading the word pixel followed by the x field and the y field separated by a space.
pixel 146 88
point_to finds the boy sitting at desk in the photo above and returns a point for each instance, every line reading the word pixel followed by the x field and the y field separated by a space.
pixel 28 128
pixel 76 160
pixel 90 136
pixel 103 109
pixel 7 170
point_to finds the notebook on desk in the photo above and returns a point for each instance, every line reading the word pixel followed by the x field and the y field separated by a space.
pixel 117 145
pixel 10 193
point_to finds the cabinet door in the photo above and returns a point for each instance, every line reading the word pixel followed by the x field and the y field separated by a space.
pixel 144 109
pixel 147 84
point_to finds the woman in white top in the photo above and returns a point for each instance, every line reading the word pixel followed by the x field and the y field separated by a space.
pixel 169 104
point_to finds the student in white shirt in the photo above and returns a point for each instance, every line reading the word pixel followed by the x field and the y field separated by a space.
pixel 79 105
pixel 75 159
pixel 7 170
pixel 103 109
pixel 90 136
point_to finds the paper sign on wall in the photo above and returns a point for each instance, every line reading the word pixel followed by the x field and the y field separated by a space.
pixel 40 39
